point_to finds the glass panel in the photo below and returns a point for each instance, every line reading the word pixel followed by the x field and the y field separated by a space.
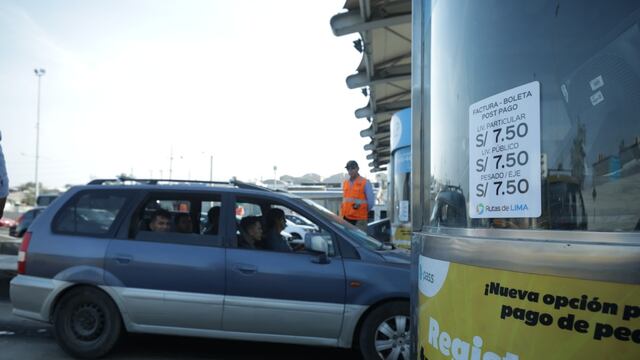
pixel 296 228
pixel 401 180
pixel 210 217
pixel 250 225
pixel 354 232
pixel 91 213
pixel 586 57
pixel 167 215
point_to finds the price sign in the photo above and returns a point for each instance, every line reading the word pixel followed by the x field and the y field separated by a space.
pixel 504 154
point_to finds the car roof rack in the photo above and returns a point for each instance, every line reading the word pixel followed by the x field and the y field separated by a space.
pixel 126 179
pixel 244 185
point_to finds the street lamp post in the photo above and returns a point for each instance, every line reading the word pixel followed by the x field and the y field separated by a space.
pixel 39 73
pixel 275 169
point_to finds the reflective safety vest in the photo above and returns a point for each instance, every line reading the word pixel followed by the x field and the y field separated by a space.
pixel 354 194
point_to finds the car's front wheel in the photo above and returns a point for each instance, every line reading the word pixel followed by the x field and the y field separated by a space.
pixel 386 332
pixel 87 323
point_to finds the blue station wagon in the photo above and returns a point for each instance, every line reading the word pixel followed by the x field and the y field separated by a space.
pixel 91 265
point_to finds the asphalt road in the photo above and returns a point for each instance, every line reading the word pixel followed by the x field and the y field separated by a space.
pixel 25 339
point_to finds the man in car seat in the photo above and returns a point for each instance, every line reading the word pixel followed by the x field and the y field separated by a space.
pixel 250 233
pixel 213 215
pixel 160 221
pixel 276 222
pixel 184 223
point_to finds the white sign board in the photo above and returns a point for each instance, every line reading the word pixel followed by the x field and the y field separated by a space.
pixel 504 154
pixel 404 211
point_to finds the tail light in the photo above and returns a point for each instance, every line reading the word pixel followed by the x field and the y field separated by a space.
pixel 22 253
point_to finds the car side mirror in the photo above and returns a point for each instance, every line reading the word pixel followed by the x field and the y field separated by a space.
pixel 317 244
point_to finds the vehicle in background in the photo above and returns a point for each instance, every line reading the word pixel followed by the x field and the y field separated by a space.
pixel 46 199
pixel 23 221
pixel 298 220
pixel 6 222
pixel 298 231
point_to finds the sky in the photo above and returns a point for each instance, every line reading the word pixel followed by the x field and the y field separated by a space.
pixel 247 84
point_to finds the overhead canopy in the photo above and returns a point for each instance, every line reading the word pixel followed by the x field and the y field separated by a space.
pixel 384 73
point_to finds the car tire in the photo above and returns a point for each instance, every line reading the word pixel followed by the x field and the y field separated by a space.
pixel 386 332
pixel 87 323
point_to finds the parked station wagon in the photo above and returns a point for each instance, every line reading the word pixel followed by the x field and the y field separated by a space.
pixel 91 266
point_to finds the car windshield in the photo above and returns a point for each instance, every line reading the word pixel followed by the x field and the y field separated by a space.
pixel 356 234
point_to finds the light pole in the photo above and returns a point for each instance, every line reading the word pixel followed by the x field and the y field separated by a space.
pixel 210 164
pixel 39 73
pixel 275 169
pixel 171 163
pixel 211 167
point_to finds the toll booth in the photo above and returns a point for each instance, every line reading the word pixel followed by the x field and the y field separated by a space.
pixel 526 179
pixel 400 175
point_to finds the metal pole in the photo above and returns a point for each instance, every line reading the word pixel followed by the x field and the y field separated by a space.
pixel 211 168
pixel 39 73
pixel 171 163
pixel 275 168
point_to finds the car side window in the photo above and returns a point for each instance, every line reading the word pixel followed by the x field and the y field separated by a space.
pixel 89 213
pixel 210 217
pixel 298 227
pixel 249 224
pixel 178 218
pixel 263 225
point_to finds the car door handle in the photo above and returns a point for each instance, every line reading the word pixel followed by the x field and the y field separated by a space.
pixel 123 259
pixel 246 269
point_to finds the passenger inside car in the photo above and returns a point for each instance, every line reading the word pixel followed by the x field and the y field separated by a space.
pixel 160 221
pixel 183 223
pixel 213 217
pixel 276 222
pixel 250 233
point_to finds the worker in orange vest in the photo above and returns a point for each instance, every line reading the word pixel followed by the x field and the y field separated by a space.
pixel 357 197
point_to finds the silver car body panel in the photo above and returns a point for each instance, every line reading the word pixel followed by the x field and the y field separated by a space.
pixel 243 313
pixel 168 308
pixel 32 297
pixel 190 314
pixel 232 335
pixel 352 315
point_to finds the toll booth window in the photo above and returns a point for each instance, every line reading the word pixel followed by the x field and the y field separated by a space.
pixel 581 61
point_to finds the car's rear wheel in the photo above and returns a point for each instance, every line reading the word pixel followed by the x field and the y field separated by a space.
pixel 87 323
pixel 386 332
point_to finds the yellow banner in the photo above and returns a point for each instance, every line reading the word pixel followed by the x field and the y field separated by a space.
pixel 473 313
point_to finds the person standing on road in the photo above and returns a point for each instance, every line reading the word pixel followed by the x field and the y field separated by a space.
pixel 4 181
pixel 357 197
